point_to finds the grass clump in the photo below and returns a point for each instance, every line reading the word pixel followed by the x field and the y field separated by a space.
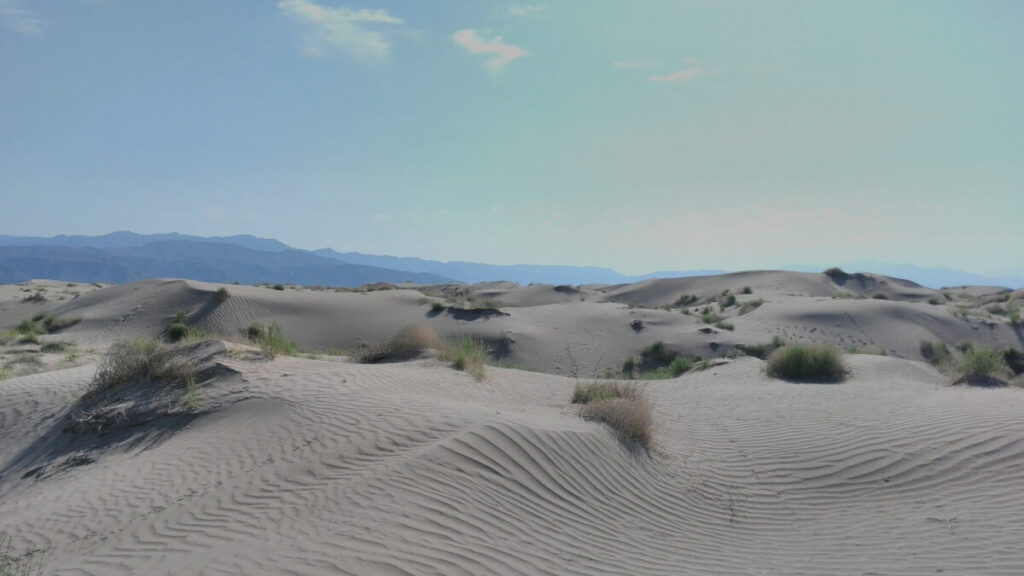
pixel 804 363
pixel 934 300
pixel 750 305
pixel 176 331
pixel 935 353
pixel 467 354
pixel 408 343
pixel 747 290
pixel 279 287
pixel 139 361
pixel 835 273
pixel 980 364
pixel 437 307
pixel 623 407
pixel 725 325
pixel 686 300
pixel 223 294
pixel 271 339
pixel 727 299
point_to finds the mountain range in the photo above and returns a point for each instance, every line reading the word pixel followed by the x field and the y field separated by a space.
pixel 121 257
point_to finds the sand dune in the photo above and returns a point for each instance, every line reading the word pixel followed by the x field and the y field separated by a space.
pixel 325 466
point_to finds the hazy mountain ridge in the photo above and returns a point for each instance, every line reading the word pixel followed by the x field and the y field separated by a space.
pixel 128 256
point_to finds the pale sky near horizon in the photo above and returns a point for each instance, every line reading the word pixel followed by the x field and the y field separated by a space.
pixel 648 135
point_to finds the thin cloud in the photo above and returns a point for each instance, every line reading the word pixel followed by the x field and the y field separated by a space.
pixel 502 53
pixel 18 19
pixel 630 65
pixel 527 11
pixel 678 76
pixel 341 29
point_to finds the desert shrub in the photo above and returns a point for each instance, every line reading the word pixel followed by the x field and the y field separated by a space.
pixel 980 363
pixel 37 317
pixel 223 294
pixel 728 299
pixel 1013 313
pixel 274 342
pixel 29 338
pixel 409 342
pixel 762 351
pixel 750 305
pixel 437 307
pixel 48 322
pixel 139 361
pixel 628 367
pixel 686 300
pixel 806 363
pixel 1014 360
pixel 879 296
pixel 835 273
pixel 709 317
pixel 255 332
pixel 176 331
pixel 964 345
pixel 676 368
pixel 62 322
pixel 278 287
pixel 637 325
pixel 624 408
pixel 656 353
pixel 467 354
pixel 53 347
pixel 934 300
pixel 747 290
pixel 935 353
pixel 725 325
pixel 27 327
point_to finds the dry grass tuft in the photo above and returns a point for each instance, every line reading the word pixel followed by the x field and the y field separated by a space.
pixel 804 363
pixel 623 407
pixel 467 354
pixel 139 361
pixel 408 343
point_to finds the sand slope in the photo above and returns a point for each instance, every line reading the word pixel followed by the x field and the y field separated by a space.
pixel 314 467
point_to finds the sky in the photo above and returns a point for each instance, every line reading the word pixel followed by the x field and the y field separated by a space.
pixel 641 136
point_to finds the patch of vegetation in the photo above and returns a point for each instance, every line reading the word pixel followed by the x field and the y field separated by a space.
pixel 176 331
pixel 747 290
pixel 762 351
pixel 803 363
pixel 686 300
pixel 934 300
pixel 37 297
pixel 437 307
pixel 12 566
pixel 139 361
pixel 191 395
pixel 60 323
pixel 709 317
pixel 750 305
pixel 408 343
pixel 271 339
pixel 223 294
pixel 935 353
pixel 725 325
pixel 38 317
pixel 835 273
pixel 637 325
pixel 279 287
pixel 467 354
pixel 1014 360
pixel 1013 314
pixel 623 407
pixel 657 353
pixel 979 364
pixel 879 296
pixel 628 367
pixel 29 338
pixel 53 347
pixel 726 300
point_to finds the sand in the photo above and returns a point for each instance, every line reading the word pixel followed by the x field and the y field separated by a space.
pixel 319 465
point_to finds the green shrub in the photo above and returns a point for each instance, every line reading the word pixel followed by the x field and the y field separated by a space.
pixel 255 332
pixel 274 342
pixel 750 305
pixel 598 391
pixel 709 317
pixel 725 325
pixel 835 273
pixel 408 343
pixel 879 296
pixel 979 363
pixel 223 294
pixel 728 299
pixel 176 331
pixel 278 287
pixel 139 361
pixel 798 362
pixel 437 307
pixel 656 353
pixel 934 300
pixel 1014 360
pixel 686 300
pixel 628 367
pixel 467 354
pixel 935 353
pixel 27 327
pixel 48 322
pixel 37 317
pixel 747 290
pixel 29 338
pixel 1013 313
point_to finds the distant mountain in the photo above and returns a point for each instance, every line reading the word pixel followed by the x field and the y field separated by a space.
pixel 206 261
pixel 471 272
pixel 131 239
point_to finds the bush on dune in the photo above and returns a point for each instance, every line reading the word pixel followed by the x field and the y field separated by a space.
pixel 467 354
pixel 126 362
pixel 408 343
pixel 802 363
pixel 623 407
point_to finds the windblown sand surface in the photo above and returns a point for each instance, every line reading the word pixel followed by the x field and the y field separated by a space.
pixel 325 466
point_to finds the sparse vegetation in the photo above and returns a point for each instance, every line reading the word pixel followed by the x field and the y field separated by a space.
pixel 1013 314
pixel 12 566
pixel 934 300
pixel 223 294
pixel 835 273
pixel 628 367
pixel 725 325
pixel 726 300
pixel 279 287
pixel 437 307
pixel 803 363
pixel 467 354
pixel 1014 360
pixel 686 300
pixel 709 317
pixel 408 343
pixel 637 325
pixel 176 331
pixel 935 353
pixel 191 394
pixel 139 361
pixel 747 290
pixel 749 306
pixel 271 339
pixel 979 364
pixel 623 407
pixel 762 351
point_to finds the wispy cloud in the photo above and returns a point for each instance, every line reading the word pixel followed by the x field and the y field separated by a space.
pixel 341 29
pixel 527 11
pixel 18 19
pixel 634 64
pixel 503 53
pixel 693 70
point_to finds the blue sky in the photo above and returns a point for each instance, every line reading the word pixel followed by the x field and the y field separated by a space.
pixel 641 136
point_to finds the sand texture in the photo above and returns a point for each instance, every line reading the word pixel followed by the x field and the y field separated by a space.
pixel 321 465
